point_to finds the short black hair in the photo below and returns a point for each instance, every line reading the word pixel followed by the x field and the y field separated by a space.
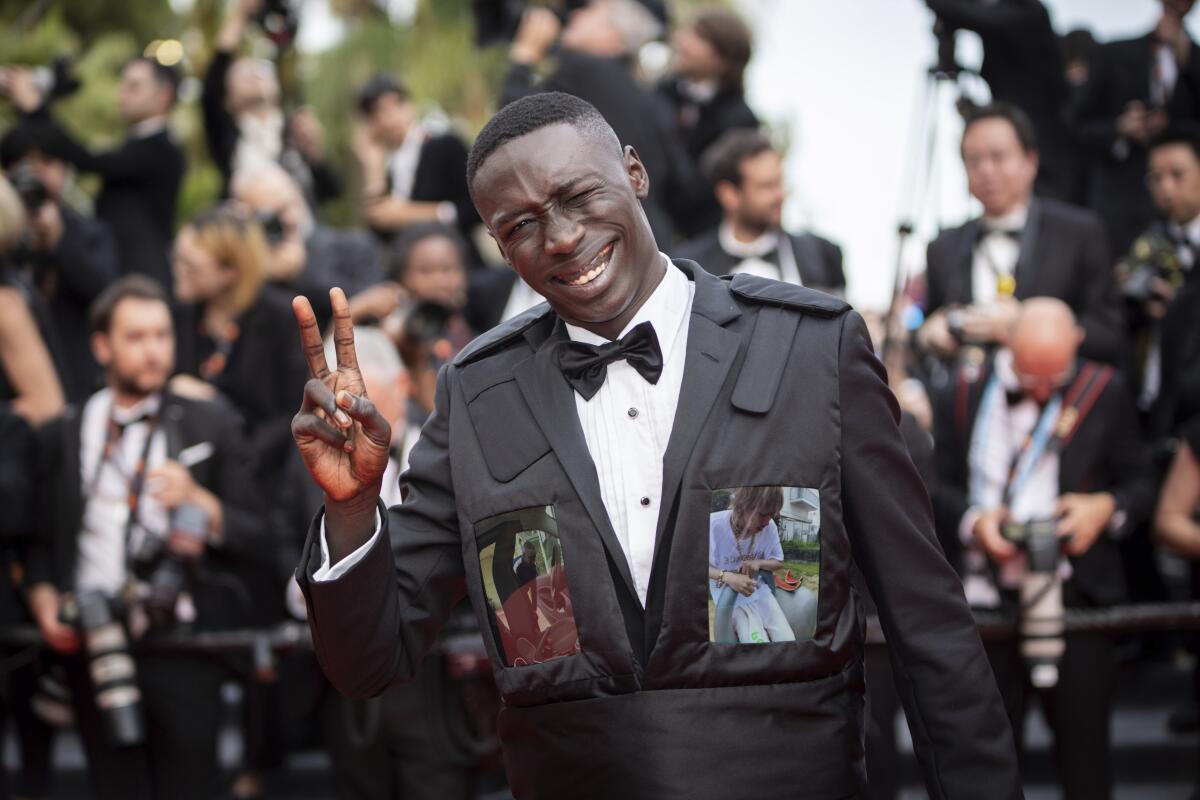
pixel 377 87
pixel 532 113
pixel 162 74
pixel 30 136
pixel 723 158
pixel 402 248
pixel 1020 121
pixel 1185 133
pixel 129 287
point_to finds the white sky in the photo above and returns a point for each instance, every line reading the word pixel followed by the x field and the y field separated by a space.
pixel 846 79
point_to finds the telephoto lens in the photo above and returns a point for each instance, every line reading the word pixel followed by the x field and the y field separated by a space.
pixel 1042 642
pixel 114 676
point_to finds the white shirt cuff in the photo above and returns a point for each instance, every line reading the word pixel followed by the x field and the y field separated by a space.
pixel 447 213
pixel 966 526
pixel 331 572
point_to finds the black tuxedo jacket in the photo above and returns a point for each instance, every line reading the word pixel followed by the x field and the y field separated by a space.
pixel 141 181
pixel 1063 255
pixel 780 387
pixel 246 536
pixel 442 177
pixel 819 260
pixel 1120 73
pixel 1107 453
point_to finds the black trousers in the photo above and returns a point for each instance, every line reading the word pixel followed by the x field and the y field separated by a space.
pixel 181 700
pixel 1078 709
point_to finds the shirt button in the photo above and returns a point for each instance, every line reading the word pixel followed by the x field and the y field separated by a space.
pixel 645 501
pixel 633 412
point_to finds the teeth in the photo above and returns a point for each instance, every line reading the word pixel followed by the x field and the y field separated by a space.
pixel 589 276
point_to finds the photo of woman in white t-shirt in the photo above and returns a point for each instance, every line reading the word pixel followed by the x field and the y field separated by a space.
pixel 742 542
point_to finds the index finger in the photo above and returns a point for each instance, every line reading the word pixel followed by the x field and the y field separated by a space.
pixel 343 330
pixel 310 337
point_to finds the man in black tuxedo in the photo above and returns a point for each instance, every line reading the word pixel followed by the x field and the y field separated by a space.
pixel 141 177
pixel 747 179
pixel 611 451
pixel 594 56
pixel 411 173
pixel 1035 435
pixel 118 474
pixel 1023 246
pixel 1022 65
pixel 1134 88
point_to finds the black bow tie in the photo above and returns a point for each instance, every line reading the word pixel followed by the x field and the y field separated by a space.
pixel 1012 233
pixel 586 365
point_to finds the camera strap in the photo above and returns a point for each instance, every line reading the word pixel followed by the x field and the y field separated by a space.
pixel 136 480
pixel 1056 426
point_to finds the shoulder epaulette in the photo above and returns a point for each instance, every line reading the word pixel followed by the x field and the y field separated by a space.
pixel 501 335
pixel 764 290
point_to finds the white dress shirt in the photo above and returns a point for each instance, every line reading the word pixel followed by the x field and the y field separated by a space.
pixel 996 254
pixel 754 254
pixel 105 491
pixel 626 425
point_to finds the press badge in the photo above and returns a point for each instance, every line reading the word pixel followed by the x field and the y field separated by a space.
pixel 764 564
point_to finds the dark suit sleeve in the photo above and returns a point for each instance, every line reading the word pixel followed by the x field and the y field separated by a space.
pixel 134 160
pixel 1088 115
pixel 452 166
pixel 220 129
pixel 375 623
pixel 1127 459
pixel 86 256
pixel 959 728
pixel 246 532
pixel 935 291
pixel 1101 314
pixel 949 494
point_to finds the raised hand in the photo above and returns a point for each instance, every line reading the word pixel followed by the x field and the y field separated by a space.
pixel 342 437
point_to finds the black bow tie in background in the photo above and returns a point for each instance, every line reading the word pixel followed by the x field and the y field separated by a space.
pixel 586 365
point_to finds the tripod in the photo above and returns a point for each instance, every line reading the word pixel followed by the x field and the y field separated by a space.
pixel 945 80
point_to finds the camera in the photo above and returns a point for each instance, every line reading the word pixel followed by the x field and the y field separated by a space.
pixel 164 574
pixel 279 21
pixel 1041 623
pixel 110 665
pixel 272 226
pixel 29 186
pixel 1139 286
pixel 57 80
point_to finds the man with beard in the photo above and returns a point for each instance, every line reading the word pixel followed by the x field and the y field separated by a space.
pixel 119 473
pixel 603 421
pixel 747 178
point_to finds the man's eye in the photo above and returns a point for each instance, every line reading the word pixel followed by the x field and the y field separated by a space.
pixel 519 226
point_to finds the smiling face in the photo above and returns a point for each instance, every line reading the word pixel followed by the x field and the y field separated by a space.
pixel 563 205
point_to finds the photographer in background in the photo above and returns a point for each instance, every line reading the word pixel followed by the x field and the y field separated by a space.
pixel 306 257
pixel 67 257
pixel 1023 246
pixel 411 174
pixel 595 53
pixel 1160 281
pixel 423 307
pixel 746 174
pixel 245 126
pixel 1023 66
pixel 141 177
pixel 147 507
pixel 1041 471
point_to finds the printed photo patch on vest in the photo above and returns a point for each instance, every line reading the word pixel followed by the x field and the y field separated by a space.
pixel 764 564
pixel 525 582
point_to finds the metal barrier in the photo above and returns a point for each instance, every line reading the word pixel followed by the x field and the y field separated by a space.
pixel 993 626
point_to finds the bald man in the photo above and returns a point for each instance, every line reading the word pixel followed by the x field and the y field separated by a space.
pixel 306 256
pixel 1038 435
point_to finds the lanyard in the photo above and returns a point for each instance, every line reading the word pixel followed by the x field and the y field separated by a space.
pixel 1037 443
pixel 135 481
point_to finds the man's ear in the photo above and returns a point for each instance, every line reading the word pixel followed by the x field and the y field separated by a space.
pixel 639 179
pixel 727 195
pixel 101 349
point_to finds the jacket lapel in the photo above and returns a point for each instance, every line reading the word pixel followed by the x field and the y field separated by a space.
pixel 552 401
pixel 711 349
pixel 1025 271
pixel 961 289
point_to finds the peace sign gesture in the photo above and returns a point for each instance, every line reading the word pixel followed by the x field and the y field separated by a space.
pixel 342 437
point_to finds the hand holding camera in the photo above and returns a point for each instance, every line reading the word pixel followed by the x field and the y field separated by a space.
pixel 1082 518
pixel 988 530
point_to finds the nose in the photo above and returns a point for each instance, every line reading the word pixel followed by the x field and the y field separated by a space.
pixel 563 234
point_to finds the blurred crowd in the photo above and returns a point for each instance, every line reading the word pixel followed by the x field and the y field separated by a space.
pixel 1047 364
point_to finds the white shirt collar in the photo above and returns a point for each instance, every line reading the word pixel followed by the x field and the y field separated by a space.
pixel 1013 220
pixel 664 309
pixel 754 249
pixel 1190 231
pixel 143 408
pixel 148 127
